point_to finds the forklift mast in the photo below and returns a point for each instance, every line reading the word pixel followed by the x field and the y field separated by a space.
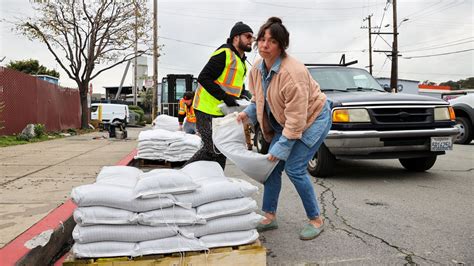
pixel 173 87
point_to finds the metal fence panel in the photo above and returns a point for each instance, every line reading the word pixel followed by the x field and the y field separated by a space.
pixel 31 100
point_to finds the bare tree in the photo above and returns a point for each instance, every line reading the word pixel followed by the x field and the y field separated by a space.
pixel 88 37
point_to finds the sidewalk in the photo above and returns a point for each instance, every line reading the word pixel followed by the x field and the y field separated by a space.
pixel 36 178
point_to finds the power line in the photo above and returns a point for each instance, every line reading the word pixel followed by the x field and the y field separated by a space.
pixel 426 73
pixel 381 21
pixel 193 43
pixel 430 41
pixel 455 52
pixel 383 65
pixel 437 46
pixel 259 20
pixel 331 52
pixel 438 9
pixel 314 8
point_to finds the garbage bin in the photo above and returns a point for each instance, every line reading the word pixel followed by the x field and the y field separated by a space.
pixel 112 127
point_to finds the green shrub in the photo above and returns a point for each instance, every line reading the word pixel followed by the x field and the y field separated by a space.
pixel 40 130
pixel 23 137
pixel 139 111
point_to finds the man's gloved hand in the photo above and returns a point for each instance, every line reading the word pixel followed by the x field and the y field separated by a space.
pixel 230 100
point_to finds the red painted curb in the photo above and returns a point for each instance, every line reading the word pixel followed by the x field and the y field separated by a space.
pixel 15 250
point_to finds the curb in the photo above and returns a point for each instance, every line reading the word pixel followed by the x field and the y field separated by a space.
pixel 61 219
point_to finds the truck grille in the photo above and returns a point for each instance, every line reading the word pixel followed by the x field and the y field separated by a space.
pixel 401 115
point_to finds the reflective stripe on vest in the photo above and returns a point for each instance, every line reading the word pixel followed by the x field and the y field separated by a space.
pixel 230 81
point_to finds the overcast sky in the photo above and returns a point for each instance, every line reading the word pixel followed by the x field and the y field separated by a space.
pixel 320 31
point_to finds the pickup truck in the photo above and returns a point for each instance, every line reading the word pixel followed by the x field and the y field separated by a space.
pixel 371 123
pixel 464 109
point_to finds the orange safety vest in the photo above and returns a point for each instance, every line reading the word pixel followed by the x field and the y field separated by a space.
pixel 188 110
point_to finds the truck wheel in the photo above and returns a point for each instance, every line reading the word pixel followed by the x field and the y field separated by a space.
pixel 261 144
pixel 465 127
pixel 418 164
pixel 322 164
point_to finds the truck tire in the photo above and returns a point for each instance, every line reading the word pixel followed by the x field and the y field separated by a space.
pixel 261 144
pixel 418 164
pixel 322 164
pixel 465 134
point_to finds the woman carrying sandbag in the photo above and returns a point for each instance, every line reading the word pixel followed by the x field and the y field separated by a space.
pixel 294 116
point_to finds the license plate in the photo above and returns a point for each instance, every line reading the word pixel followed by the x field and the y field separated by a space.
pixel 441 143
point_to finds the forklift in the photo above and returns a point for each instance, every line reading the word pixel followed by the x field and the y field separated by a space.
pixel 173 87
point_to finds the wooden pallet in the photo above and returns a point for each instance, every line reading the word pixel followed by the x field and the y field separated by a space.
pixel 156 163
pixel 251 254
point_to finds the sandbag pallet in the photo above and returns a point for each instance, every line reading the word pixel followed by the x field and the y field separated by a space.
pixel 250 254
pixel 146 163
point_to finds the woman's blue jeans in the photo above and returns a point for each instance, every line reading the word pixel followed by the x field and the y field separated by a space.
pixel 296 169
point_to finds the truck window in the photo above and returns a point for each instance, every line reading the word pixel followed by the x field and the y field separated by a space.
pixel 94 108
pixel 164 90
pixel 180 88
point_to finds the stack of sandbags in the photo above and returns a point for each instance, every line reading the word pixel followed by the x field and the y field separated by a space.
pixel 131 213
pixel 160 144
pixel 166 122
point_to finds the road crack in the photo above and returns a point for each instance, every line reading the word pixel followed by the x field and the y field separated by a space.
pixel 409 255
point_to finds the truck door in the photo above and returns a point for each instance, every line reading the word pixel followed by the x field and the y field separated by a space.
pixel 173 88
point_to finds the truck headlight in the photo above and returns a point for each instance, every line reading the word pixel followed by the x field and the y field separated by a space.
pixel 350 116
pixel 444 113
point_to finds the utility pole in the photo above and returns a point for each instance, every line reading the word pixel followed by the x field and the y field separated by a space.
pixel 370 41
pixel 135 60
pixel 394 77
pixel 155 60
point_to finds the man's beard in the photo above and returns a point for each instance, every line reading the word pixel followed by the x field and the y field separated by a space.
pixel 244 47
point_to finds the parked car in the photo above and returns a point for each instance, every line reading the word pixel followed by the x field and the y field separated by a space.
pixel 464 109
pixel 370 123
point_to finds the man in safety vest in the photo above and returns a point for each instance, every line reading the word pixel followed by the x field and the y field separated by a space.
pixel 186 111
pixel 221 80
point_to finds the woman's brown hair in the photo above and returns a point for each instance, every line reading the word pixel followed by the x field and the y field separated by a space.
pixel 278 32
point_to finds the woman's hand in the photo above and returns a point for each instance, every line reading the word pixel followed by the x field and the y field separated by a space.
pixel 272 158
pixel 242 117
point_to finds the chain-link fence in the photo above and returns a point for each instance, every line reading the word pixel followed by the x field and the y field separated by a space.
pixel 28 100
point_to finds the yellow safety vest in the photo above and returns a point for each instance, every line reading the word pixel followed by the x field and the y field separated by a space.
pixel 188 110
pixel 231 81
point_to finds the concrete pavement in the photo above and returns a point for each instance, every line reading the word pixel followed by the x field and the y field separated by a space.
pixel 36 178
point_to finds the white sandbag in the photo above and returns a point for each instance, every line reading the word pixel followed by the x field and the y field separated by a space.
pixel 119 175
pixel 170 216
pixel 215 189
pixel 224 224
pixel 103 215
pixel 229 207
pixel 121 233
pixel 231 109
pixel 169 245
pixel 118 197
pixel 230 238
pixel 229 138
pixel 105 249
pixel 200 170
pixel 166 122
pixel 163 181
pixel 160 135
pixel 189 140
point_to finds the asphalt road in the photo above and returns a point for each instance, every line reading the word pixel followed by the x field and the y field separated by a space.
pixel 379 213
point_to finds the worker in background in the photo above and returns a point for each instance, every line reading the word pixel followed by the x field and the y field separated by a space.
pixel 186 112
pixel 221 80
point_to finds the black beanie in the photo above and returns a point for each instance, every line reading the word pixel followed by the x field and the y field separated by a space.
pixel 239 28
